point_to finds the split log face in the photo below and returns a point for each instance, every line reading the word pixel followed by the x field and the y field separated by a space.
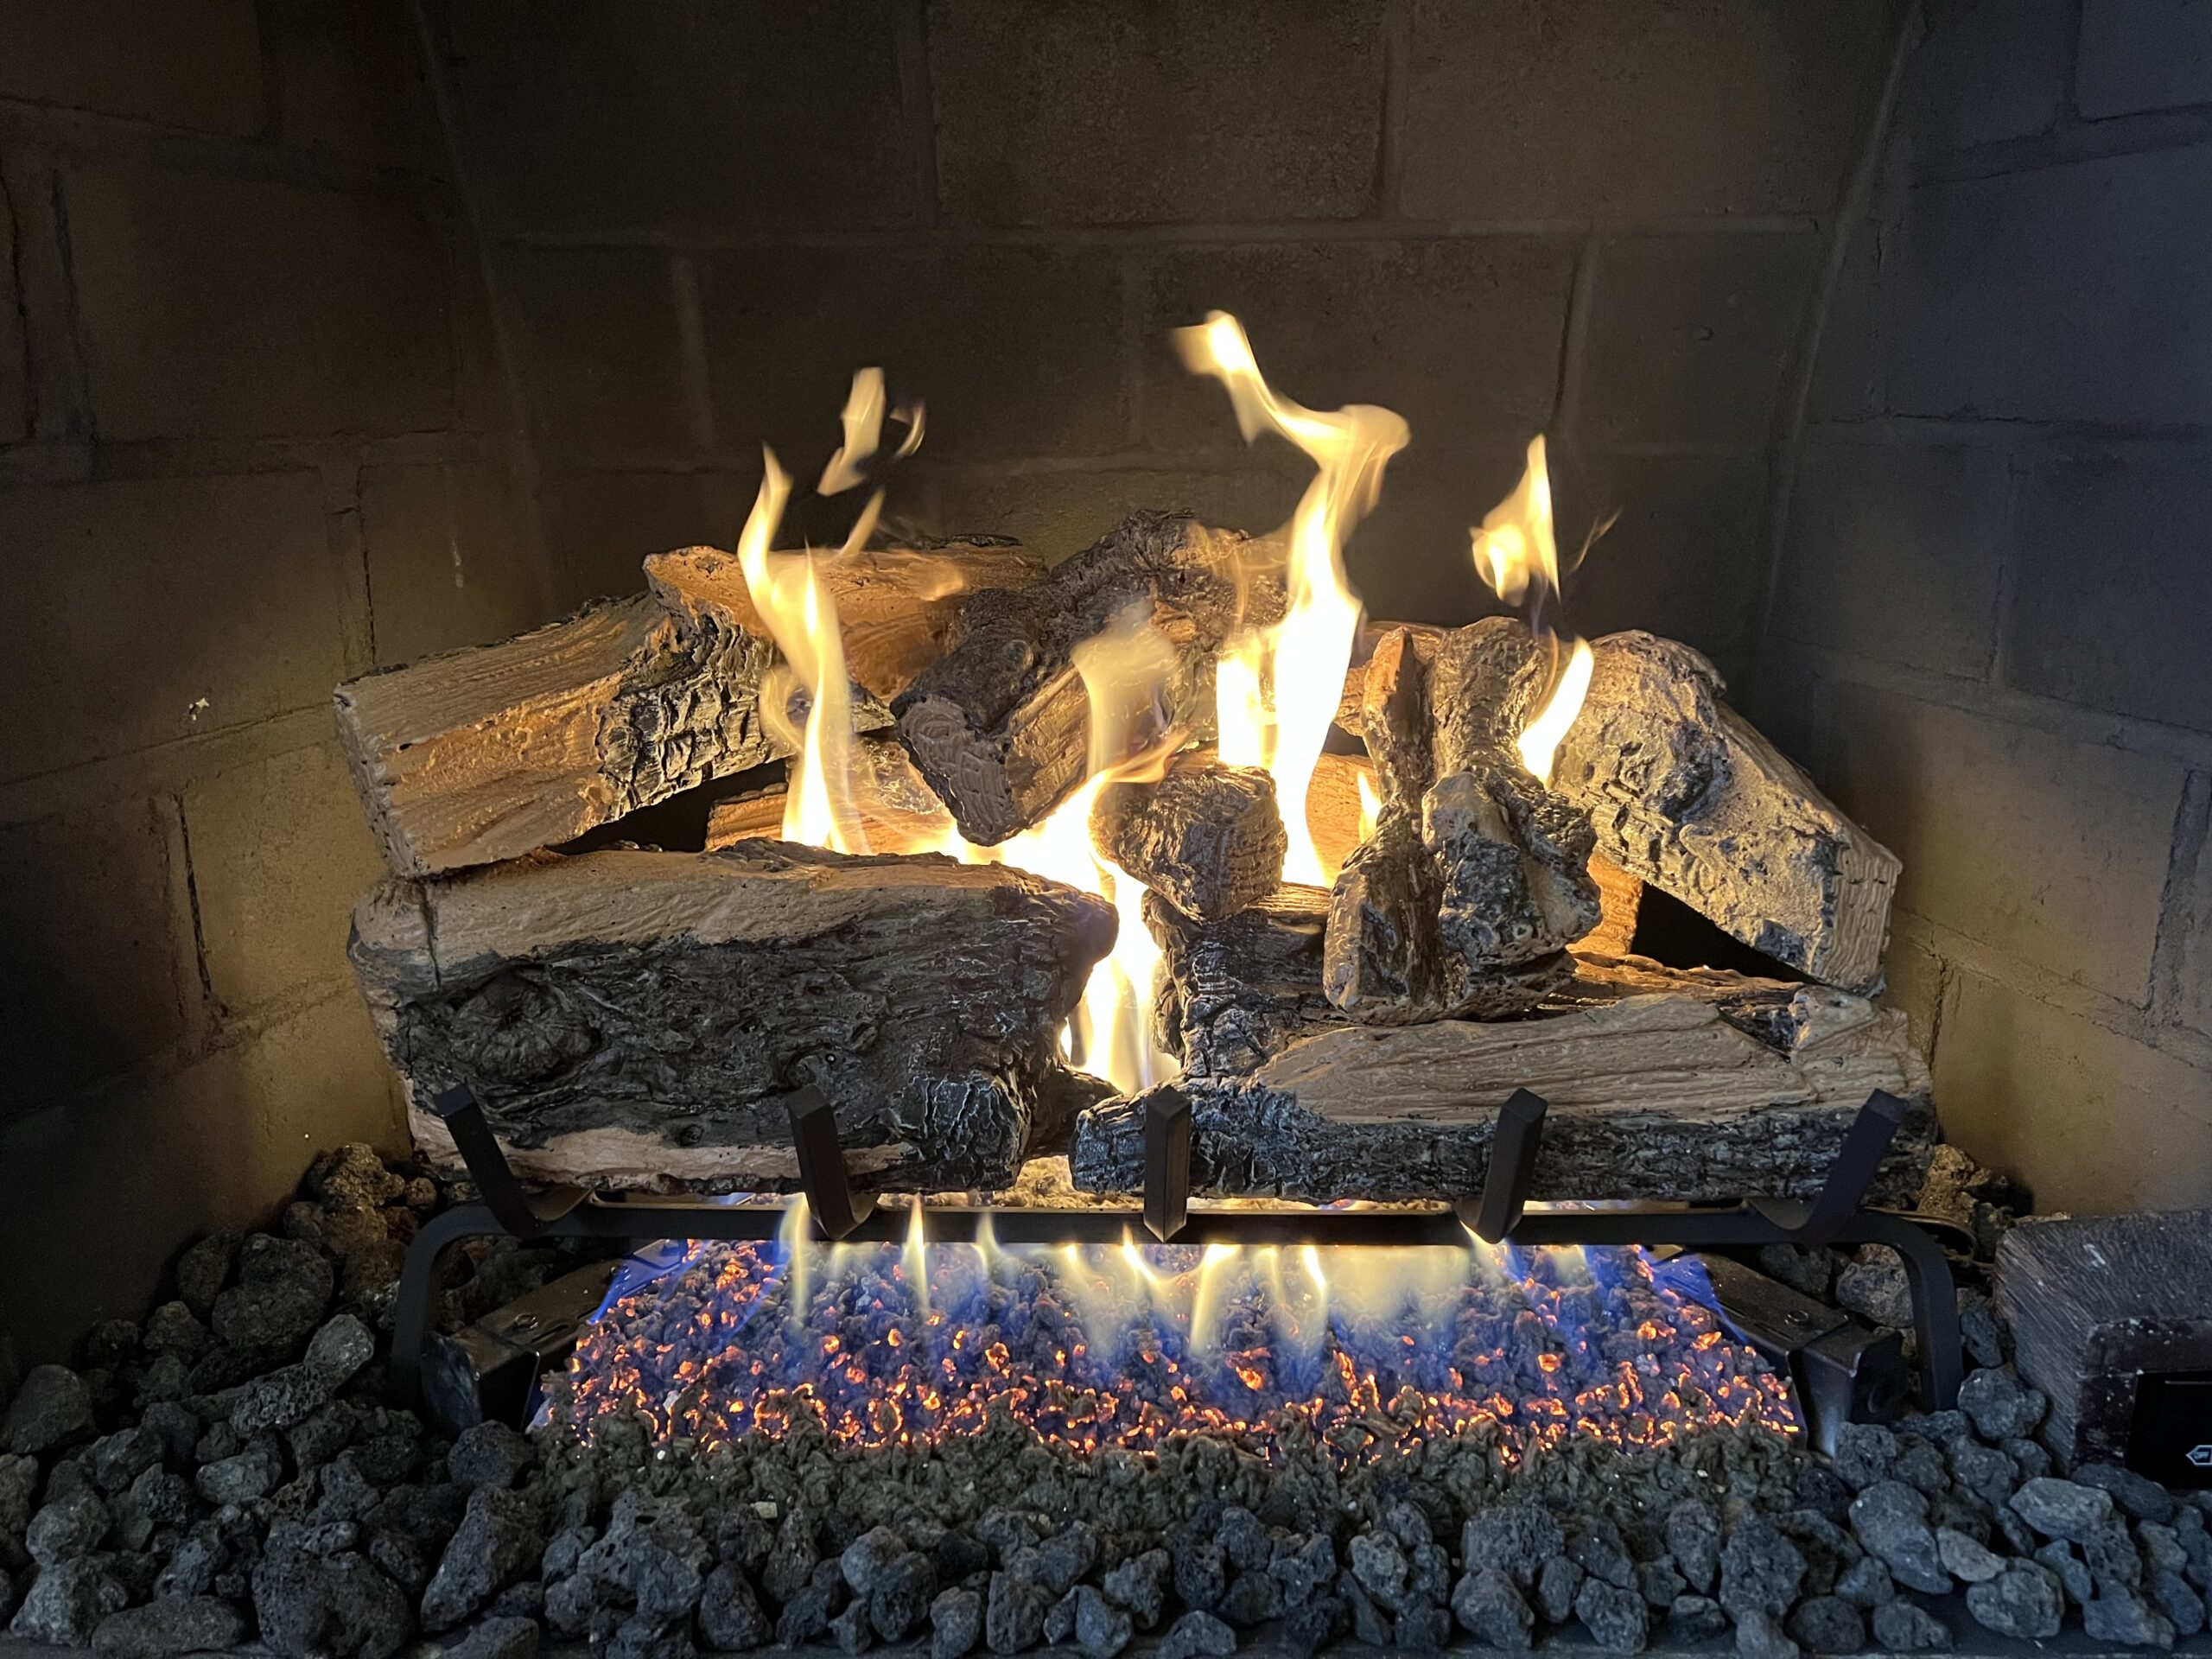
pixel 1381 959
pixel 638 1018
pixel 1485 685
pixel 1205 836
pixel 1234 993
pixel 1686 795
pixel 999 725
pixel 1654 1096
pixel 1394 720
pixel 1514 860
pixel 896 607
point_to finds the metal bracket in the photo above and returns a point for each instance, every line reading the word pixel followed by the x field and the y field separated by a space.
pixel 830 1200
pixel 1166 1163
pixel 1513 1148
pixel 524 1217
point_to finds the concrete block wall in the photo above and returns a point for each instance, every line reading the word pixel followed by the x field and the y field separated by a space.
pixel 1990 627
pixel 1606 222
pixel 254 438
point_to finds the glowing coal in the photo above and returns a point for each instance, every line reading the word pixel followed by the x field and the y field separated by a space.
pixel 1362 1351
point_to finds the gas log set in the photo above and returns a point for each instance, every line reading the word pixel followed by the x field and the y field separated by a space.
pixel 1027 894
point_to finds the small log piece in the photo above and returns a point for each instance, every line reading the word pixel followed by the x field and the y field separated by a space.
pixel 1620 902
pixel 484 754
pixel 638 1019
pixel 1394 720
pixel 894 809
pixel 1687 796
pixel 1205 836
pixel 999 725
pixel 1655 1096
pixel 1231 993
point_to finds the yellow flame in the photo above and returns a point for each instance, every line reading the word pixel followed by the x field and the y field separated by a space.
pixel 1370 806
pixel 1278 690
pixel 1517 553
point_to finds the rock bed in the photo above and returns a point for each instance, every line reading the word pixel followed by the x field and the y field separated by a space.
pixel 223 1470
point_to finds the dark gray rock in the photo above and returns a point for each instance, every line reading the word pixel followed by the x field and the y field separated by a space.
pixel 115 1460
pixel 641 1637
pixel 2112 1556
pixel 1811 1271
pixel 1989 1474
pixel 1760 1569
pixel 1826 1624
pixel 1428 1577
pixel 1369 1624
pixel 2143 1498
pixel 1244 1540
pixel 1202 1576
pixel 851 1629
pixel 1596 1547
pixel 1921 1465
pixel 2117 1614
pixel 254 1472
pixel 867 1555
pixel 2030 1457
pixel 203 1270
pixel 1422 1628
pixel 1491 1608
pixel 2072 1573
pixel 1101 1631
pixel 499 1537
pixel 1616 1618
pixel 1304 1567
pixel 2022 1602
pixel 1138 1586
pixel 1759 1634
pixel 1196 1633
pixel 958 1553
pixel 1005 1530
pixel 1516 1539
pixel 731 1619
pixel 53 1407
pixel 1874 1287
pixel 2174 1597
pixel 2000 1406
pixel 163 1629
pixel 807 1613
pixel 67 1529
pixel 325 1605
pixel 283 1287
pixel 1558 1582
pixel 1066 1557
pixel 1253 1599
pixel 1890 1519
pixel 2060 1509
pixel 1907 1627
pixel 66 1603
pixel 955 1623
pixel 1695 1618
pixel 1819 1489
pixel 1692 1535
pixel 1941 1428
pixel 1379 1563
pixel 281 1398
pixel 1863 1453
pixel 488 1454
pixel 341 1349
pixel 1314 1624
pixel 506 1638
pixel 1014 1618
pixel 1659 1584
pixel 1867 1583
pixel 1963 1558
pixel 899 1595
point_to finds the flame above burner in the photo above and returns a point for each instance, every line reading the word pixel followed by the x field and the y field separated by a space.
pixel 1517 553
pixel 1362 1351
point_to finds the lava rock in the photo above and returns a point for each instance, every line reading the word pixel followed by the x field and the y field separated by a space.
pixel 1658 1583
pixel 1066 1557
pixel 1305 1568
pixel 163 1629
pixel 955 1621
pixel 1821 1491
pixel 203 1270
pixel 1890 1518
pixel 1246 1543
pixel 500 1535
pixel 1253 1599
pixel 67 1529
pixel 1695 1618
pixel 2112 1556
pixel 1760 1569
pixel 53 1407
pixel 278 1399
pixel 1907 1627
pixel 1826 1624
pixel 1874 1286
pixel 506 1638
pixel 1811 1271
pixel 2000 1405
pixel 2022 1602
pixel 1138 1586
pixel 851 1630
pixel 2031 1458
pixel 115 1460
pixel 1615 1618
pixel 1369 1624
pixel 1964 1558
pixel 867 1555
pixel 1314 1624
pixel 1006 1530
pixel 325 1605
pixel 1489 1606
pixel 488 1454
pixel 254 1472
pixel 2072 1572
pixel 2117 1614
pixel 2060 1509
pixel 806 1614
pixel 1759 1633
pixel 1014 1618
pixel 1867 1583
pixel 1423 1628
pixel 1201 1576
pixel 958 1553
pixel 899 1594
pixel 1598 1549
pixel 1864 1454
pixel 1989 1474
pixel 341 1347
pixel 1692 1535
pixel 1558 1582
pixel 2140 1497
pixel 730 1615
pixel 2183 1606
pixel 1921 1465
pixel 1516 1538
pixel 1101 1631
pixel 1381 1568
pixel 283 1287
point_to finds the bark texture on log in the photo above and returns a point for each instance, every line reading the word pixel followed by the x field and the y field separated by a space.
pixel 1514 858
pixel 1393 720
pixel 1620 902
pixel 896 607
pixel 999 725
pixel 1654 1096
pixel 638 1019
pixel 1205 836
pixel 1686 795
pixel 1233 993
pixel 477 755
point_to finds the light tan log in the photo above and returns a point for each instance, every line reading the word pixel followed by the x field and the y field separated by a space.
pixel 1686 795
pixel 483 754
pixel 1620 900
pixel 632 1017
pixel 892 807
pixel 1652 1096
